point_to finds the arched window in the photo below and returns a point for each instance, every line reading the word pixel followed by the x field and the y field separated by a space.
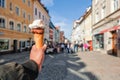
pixel 2 3
pixel 11 23
pixel 11 8
pixel 18 27
pixel 2 23
pixel 29 3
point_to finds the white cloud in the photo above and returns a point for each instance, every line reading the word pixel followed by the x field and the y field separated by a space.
pixel 47 2
pixel 61 23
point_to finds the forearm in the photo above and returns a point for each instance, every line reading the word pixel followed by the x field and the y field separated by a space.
pixel 15 71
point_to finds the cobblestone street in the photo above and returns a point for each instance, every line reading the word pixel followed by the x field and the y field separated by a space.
pixel 79 66
pixel 17 57
pixel 103 66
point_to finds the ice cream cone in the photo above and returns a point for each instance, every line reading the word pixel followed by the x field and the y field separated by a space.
pixel 37 28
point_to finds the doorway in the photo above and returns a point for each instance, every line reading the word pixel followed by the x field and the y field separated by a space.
pixel 114 43
pixel 15 45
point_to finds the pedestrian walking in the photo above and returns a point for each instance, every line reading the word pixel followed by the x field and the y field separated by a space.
pixel 81 46
pixel 86 46
pixel 76 47
pixel 72 48
pixel 62 47
pixel 68 47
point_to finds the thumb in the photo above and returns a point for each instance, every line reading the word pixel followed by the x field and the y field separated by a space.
pixel 44 47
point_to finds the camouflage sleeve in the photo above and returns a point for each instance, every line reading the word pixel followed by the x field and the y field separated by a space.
pixel 15 71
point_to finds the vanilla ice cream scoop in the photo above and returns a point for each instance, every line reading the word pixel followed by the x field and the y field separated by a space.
pixel 37 24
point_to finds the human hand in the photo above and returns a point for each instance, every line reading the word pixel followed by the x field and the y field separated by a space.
pixel 37 55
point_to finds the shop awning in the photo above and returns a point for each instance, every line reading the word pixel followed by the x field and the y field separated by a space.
pixel 110 29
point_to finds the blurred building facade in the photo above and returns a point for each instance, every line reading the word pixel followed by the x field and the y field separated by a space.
pixel 101 25
pixel 15 17
pixel 14 20
pixel 106 25
pixel 62 37
pixel 82 28
pixel 57 34
pixel 52 32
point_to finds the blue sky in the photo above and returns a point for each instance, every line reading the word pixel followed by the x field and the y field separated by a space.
pixel 64 12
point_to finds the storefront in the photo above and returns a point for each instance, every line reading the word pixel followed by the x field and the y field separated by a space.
pixel 14 45
pixel 4 44
pixel 98 41
pixel 112 39
pixel 24 45
pixel 14 41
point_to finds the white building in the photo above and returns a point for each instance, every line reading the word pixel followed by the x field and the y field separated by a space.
pixel 106 24
pixel 82 29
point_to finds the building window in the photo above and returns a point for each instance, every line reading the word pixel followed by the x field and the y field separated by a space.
pixel 18 27
pixel 2 3
pixel 28 42
pixel 4 44
pixel 35 11
pixel 22 44
pixel 11 7
pixel 29 17
pixel 23 1
pixel 96 17
pixel 40 15
pixel 17 11
pixel 24 14
pixel 29 3
pixel 115 4
pixel 25 29
pixel 43 17
pixel 103 12
pixel 11 23
pixel 99 40
pixel 2 23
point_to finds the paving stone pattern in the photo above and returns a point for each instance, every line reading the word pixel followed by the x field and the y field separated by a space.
pixel 77 66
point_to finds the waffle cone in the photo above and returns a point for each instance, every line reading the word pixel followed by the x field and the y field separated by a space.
pixel 38 38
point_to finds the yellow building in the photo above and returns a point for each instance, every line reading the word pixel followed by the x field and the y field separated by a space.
pixel 15 16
